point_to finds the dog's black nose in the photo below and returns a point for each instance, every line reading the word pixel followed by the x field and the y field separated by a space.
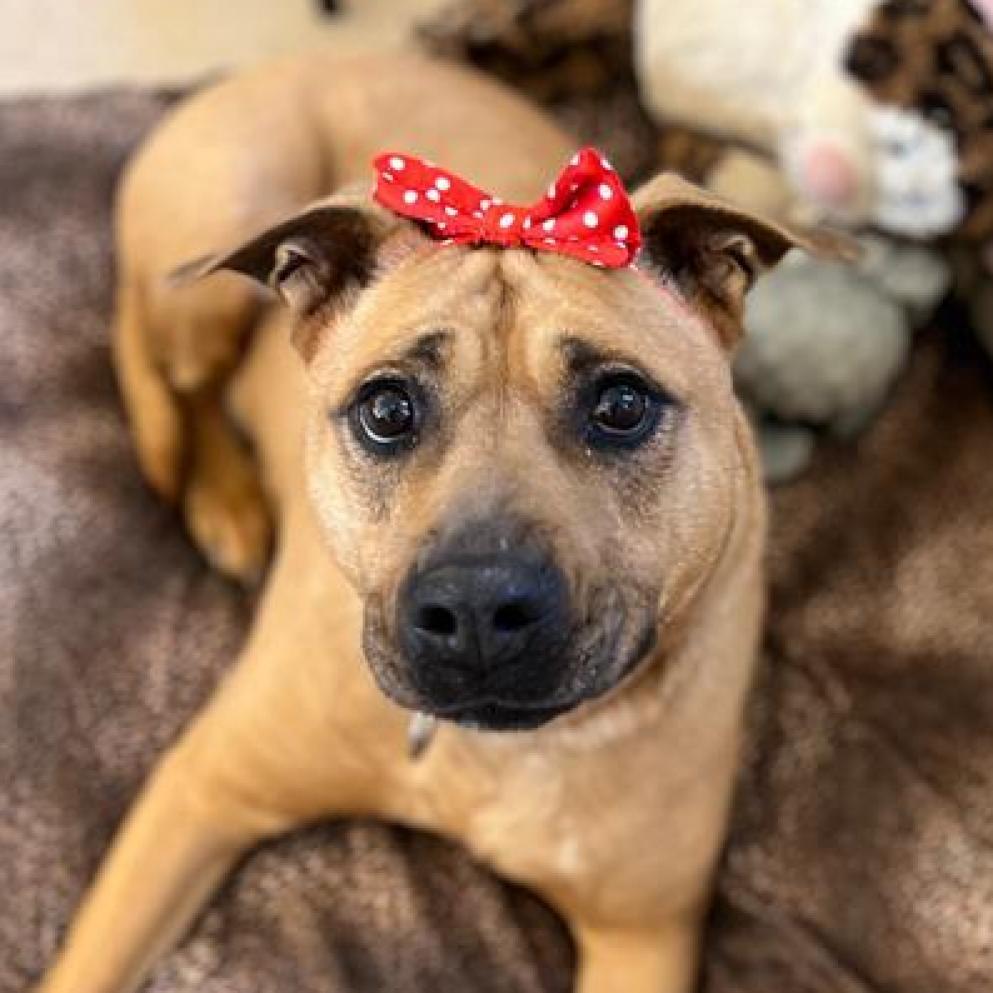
pixel 484 612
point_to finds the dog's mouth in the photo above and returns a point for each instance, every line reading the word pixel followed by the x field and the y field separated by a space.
pixel 593 660
pixel 497 716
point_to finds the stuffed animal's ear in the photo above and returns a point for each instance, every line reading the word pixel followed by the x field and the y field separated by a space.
pixel 714 251
pixel 310 258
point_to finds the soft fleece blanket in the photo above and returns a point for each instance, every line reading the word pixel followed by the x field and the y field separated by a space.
pixel 861 855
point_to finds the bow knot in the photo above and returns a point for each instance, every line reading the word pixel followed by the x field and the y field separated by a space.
pixel 585 213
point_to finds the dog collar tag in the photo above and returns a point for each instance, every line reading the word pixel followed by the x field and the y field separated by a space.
pixel 585 213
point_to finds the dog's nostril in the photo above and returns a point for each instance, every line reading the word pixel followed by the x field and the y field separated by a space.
pixel 437 620
pixel 512 617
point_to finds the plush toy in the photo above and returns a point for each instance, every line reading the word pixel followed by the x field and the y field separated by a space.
pixel 879 113
pixel 802 368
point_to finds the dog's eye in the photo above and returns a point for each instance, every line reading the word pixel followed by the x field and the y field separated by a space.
pixel 624 411
pixel 385 415
pixel 620 409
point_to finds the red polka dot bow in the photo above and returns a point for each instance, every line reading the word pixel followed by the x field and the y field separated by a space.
pixel 585 213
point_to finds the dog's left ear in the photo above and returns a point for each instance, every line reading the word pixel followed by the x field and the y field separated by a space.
pixel 306 259
pixel 315 258
pixel 714 251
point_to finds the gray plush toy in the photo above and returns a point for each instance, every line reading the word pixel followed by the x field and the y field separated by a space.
pixel 825 342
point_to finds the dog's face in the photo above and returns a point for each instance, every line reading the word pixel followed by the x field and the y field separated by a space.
pixel 525 465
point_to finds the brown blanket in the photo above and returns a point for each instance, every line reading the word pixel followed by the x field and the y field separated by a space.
pixel 862 851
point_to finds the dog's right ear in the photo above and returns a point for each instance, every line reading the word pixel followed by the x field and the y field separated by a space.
pixel 713 251
pixel 311 259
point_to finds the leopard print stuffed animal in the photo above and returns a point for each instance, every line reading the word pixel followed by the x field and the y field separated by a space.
pixel 932 61
pixel 877 111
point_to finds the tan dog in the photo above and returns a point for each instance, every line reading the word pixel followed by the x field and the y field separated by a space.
pixel 511 489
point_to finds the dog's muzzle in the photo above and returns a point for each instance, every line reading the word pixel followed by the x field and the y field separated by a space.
pixel 487 631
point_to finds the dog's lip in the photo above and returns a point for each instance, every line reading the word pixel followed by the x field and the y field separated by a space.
pixel 485 698
pixel 495 716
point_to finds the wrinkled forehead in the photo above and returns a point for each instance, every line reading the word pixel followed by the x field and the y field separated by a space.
pixel 619 316
pixel 529 312
pixel 417 313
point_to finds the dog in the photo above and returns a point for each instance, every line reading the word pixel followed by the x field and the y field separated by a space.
pixel 513 494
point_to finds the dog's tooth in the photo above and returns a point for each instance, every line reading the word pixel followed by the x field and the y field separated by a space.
pixel 420 733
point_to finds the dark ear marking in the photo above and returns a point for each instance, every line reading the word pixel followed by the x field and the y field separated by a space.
pixel 307 259
pixel 714 251
pixel 314 261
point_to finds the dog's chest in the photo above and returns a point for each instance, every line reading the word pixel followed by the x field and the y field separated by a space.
pixel 565 825
pixel 530 824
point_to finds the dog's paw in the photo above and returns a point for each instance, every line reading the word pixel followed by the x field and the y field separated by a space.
pixel 228 519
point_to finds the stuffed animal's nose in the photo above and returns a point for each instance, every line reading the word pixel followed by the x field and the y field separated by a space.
pixel 483 613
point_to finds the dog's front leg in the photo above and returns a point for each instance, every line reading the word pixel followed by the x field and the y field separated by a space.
pixel 175 848
pixel 658 959
pixel 265 756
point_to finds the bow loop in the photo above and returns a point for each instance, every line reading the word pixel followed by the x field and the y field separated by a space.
pixel 585 212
